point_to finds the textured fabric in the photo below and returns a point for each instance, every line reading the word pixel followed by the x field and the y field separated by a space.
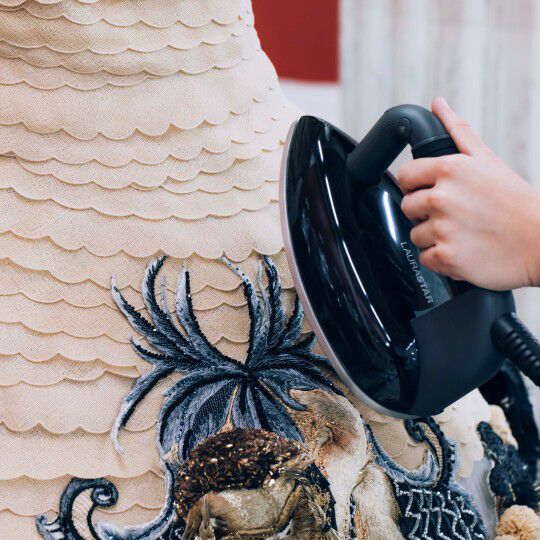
pixel 518 523
pixel 432 505
pixel 106 162
pixel 510 479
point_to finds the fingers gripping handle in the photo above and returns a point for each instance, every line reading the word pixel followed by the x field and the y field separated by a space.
pixel 399 126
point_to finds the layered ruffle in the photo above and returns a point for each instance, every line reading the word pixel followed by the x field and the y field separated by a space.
pixel 23 29
pixel 17 370
pixel 29 497
pixel 15 72
pixel 211 173
pixel 105 322
pixel 236 237
pixel 44 288
pixel 163 62
pixel 240 142
pixel 41 455
pixel 29 407
pixel 191 13
pixel 155 205
pixel 80 266
pixel 118 112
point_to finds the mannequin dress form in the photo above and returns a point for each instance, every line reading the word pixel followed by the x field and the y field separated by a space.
pixel 130 132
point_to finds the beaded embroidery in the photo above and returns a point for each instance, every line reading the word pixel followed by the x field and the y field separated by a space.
pixel 432 505
pixel 510 479
pixel 215 389
pixel 225 427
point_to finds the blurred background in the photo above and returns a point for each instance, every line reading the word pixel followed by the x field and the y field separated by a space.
pixel 349 60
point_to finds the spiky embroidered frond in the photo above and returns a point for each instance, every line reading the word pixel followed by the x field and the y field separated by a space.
pixel 215 387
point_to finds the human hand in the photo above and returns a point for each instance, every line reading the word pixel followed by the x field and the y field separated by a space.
pixel 479 221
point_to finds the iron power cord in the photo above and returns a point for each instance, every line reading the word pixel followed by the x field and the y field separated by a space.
pixel 514 340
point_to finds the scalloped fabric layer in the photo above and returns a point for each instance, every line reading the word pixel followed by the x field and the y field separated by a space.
pixel 69 406
pixel 28 497
pixel 240 127
pixel 80 266
pixel 13 71
pixel 20 341
pixel 21 29
pixel 152 107
pixel 80 454
pixel 16 340
pixel 212 173
pixel 236 237
pixel 44 288
pixel 193 13
pixel 162 62
pixel 152 205
pixel 16 369
pixel 104 321
pixel 238 140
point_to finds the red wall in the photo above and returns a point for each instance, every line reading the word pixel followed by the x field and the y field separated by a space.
pixel 300 36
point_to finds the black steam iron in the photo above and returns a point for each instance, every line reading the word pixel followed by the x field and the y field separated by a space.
pixel 404 339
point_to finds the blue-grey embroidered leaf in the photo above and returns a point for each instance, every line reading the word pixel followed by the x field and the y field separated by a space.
pixel 282 392
pixel 287 359
pixel 244 411
pixel 185 400
pixel 142 387
pixel 143 326
pixel 149 530
pixel 294 326
pixel 147 355
pixel 186 316
pixel 276 312
pixel 282 381
pixel 258 332
pixel 161 320
pixel 275 416
pixel 216 388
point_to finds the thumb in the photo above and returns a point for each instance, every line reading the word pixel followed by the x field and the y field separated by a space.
pixel 466 139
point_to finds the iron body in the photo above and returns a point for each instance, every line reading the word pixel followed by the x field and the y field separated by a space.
pixel 405 340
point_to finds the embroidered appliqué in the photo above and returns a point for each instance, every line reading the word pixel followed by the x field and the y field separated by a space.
pixel 432 505
pixel 103 495
pixel 215 389
pixel 510 478
pixel 507 389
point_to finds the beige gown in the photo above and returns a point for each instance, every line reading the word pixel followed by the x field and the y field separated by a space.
pixel 131 129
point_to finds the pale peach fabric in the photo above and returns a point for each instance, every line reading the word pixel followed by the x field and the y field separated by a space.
pixel 128 131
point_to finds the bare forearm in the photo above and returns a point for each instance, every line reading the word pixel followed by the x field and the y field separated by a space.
pixel 534 254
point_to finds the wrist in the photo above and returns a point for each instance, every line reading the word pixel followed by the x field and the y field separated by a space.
pixel 533 251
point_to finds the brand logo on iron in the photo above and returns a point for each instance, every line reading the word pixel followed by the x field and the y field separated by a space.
pixel 417 272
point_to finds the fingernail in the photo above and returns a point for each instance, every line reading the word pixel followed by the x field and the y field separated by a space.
pixel 444 103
